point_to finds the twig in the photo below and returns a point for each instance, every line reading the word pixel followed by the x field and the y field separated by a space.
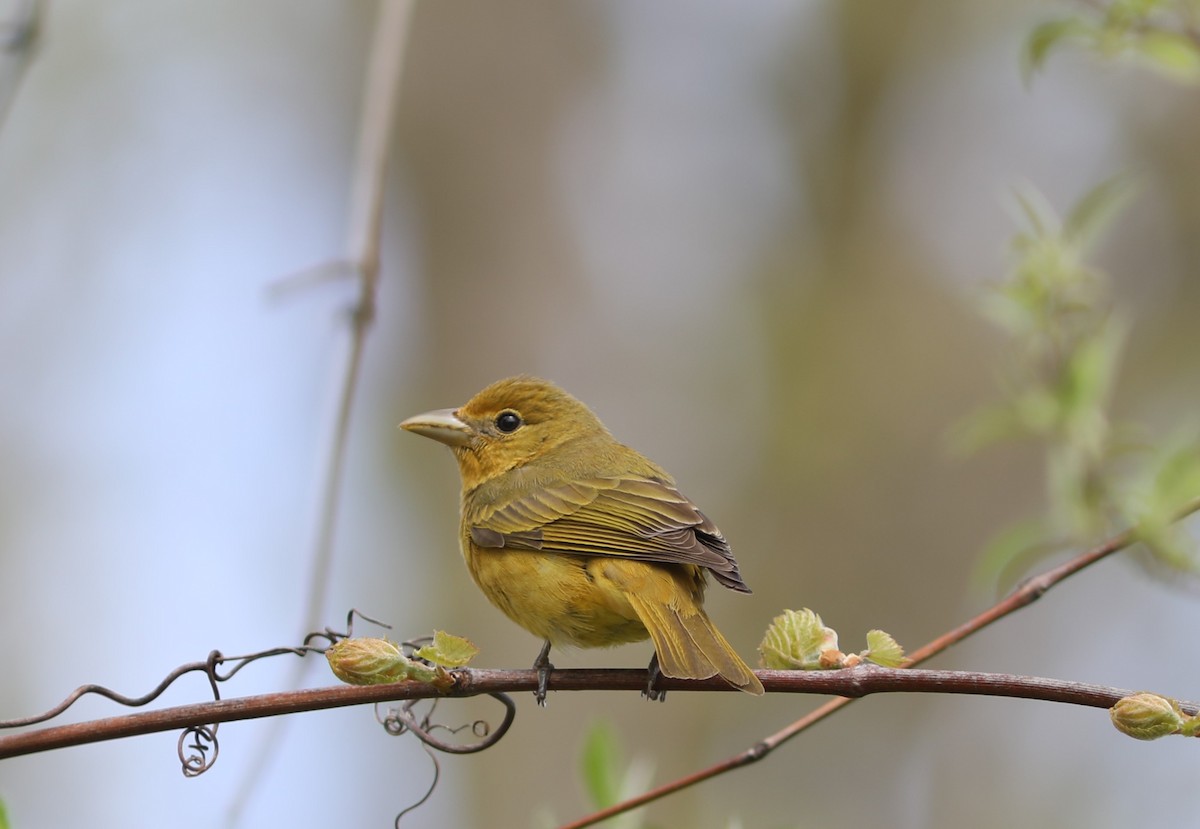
pixel 1029 592
pixel 853 682
pixel 19 36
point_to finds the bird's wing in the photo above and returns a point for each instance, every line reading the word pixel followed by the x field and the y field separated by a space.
pixel 621 517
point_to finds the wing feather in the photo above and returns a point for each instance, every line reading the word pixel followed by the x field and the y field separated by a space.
pixel 621 517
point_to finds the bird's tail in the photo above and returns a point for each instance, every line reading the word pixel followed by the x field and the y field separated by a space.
pixel 689 646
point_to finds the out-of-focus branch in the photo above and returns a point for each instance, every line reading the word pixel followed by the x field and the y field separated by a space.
pixel 18 43
pixel 381 92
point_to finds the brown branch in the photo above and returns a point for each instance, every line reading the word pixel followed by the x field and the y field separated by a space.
pixel 1029 592
pixel 853 682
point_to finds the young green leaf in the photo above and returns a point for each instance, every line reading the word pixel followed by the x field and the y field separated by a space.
pixel 448 650
pixel 883 650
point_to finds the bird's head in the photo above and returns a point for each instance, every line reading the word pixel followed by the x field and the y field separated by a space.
pixel 507 425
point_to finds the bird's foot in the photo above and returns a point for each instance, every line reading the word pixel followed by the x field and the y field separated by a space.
pixel 543 667
pixel 652 691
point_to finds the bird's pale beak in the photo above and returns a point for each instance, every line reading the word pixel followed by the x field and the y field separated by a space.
pixel 442 425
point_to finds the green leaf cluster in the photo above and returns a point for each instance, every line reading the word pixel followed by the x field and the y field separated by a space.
pixel 797 640
pixel 373 661
pixel 369 660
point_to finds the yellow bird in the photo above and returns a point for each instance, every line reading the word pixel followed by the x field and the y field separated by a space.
pixel 581 540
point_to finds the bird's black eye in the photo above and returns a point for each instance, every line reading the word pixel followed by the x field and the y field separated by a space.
pixel 508 422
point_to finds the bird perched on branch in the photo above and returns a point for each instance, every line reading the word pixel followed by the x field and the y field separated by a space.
pixel 581 540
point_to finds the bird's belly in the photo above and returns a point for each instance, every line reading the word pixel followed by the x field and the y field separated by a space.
pixel 555 597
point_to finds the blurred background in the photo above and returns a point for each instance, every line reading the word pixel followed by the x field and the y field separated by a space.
pixel 752 236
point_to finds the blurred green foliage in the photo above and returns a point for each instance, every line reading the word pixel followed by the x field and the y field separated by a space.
pixel 1164 35
pixel 607 778
pixel 1065 342
pixel 601 765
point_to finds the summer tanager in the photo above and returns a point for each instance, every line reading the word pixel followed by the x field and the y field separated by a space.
pixel 581 540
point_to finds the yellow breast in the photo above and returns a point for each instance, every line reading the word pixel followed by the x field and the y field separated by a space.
pixel 562 598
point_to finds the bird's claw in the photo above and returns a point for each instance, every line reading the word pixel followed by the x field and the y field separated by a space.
pixel 652 692
pixel 543 682
pixel 544 667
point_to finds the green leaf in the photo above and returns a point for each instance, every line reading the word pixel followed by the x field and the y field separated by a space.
pixel 1173 54
pixel 1168 481
pixel 448 650
pixel 1089 374
pixel 1178 478
pixel 4 824
pixel 883 650
pixel 1092 213
pixel 601 765
pixel 1045 37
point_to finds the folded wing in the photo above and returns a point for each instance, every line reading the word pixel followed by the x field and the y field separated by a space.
pixel 621 517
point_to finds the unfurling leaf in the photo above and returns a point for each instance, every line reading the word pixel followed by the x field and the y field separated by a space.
pixel 1146 716
pixel 798 640
pixel 368 661
pixel 883 650
pixel 448 650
